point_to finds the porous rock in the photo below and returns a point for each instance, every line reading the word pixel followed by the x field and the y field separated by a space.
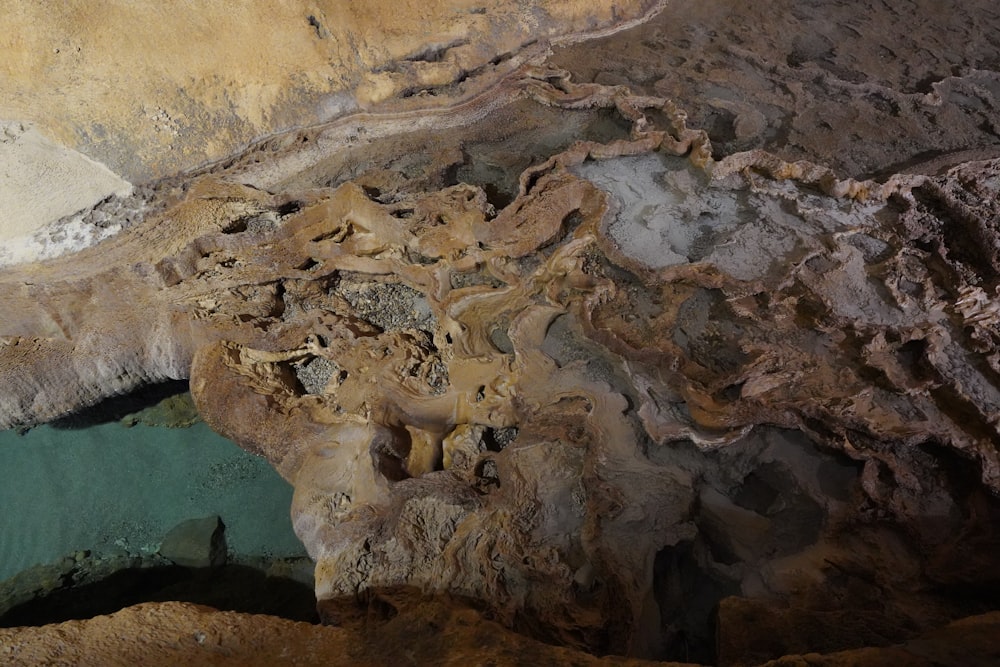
pixel 754 388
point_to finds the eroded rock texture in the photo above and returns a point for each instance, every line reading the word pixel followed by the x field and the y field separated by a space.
pixel 173 633
pixel 151 90
pixel 424 633
pixel 550 352
pixel 868 88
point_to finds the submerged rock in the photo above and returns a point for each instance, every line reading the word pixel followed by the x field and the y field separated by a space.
pixel 196 543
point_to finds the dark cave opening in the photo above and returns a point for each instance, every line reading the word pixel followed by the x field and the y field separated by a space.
pixel 687 597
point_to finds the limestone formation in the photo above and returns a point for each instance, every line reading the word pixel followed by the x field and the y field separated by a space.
pixel 171 87
pixel 543 348
pixel 423 633
pixel 178 633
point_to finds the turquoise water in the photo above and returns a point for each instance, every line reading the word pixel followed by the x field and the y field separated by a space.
pixel 110 488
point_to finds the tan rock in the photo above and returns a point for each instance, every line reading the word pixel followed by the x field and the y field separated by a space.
pixel 173 633
pixel 730 374
pixel 558 531
pixel 424 632
pixel 149 89
pixel 42 182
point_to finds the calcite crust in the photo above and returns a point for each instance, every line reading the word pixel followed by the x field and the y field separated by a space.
pixel 603 391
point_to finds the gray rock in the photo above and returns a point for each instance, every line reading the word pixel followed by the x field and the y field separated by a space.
pixel 316 374
pixel 196 543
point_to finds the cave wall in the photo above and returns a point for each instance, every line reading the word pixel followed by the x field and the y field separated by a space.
pixel 150 89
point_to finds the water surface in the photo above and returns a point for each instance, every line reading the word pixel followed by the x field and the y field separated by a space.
pixel 110 488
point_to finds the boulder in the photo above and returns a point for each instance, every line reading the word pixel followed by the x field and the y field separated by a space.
pixel 196 543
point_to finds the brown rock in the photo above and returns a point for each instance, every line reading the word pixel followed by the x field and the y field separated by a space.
pixel 172 633
pixel 735 363
pixel 752 632
pixel 156 90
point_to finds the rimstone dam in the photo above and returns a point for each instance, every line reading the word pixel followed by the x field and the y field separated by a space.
pixel 473 332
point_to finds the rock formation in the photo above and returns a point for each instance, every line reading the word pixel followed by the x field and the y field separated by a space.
pixel 168 88
pixel 424 633
pixel 543 348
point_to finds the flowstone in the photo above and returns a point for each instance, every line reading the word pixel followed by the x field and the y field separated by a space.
pixel 728 377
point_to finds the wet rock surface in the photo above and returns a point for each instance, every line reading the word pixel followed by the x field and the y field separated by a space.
pixel 611 368
pixel 196 543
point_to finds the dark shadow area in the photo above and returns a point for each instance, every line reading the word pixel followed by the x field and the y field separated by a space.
pixel 227 588
pixel 687 596
pixel 965 566
pixel 117 407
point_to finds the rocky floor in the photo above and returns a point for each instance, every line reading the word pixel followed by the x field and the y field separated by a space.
pixel 867 88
